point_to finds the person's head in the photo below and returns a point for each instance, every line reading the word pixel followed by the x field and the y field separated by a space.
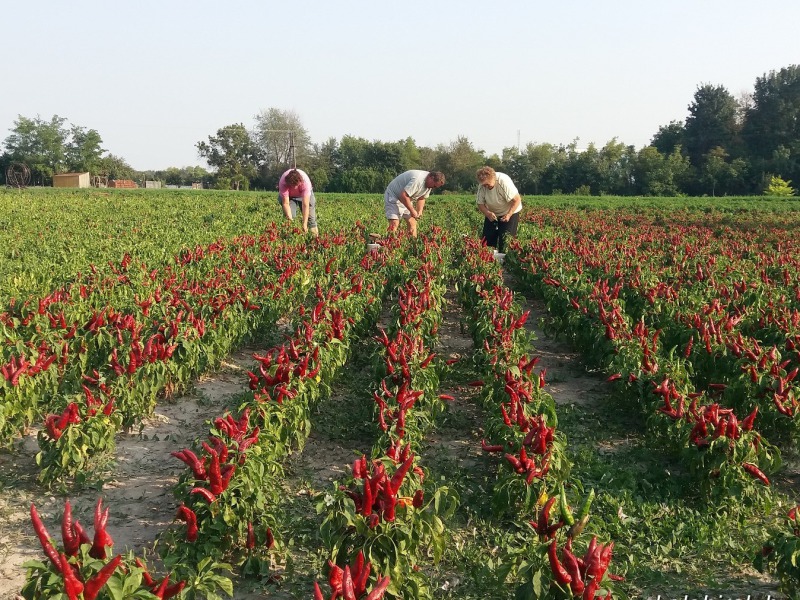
pixel 434 179
pixel 486 177
pixel 293 178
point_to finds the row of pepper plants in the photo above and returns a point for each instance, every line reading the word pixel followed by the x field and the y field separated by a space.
pixel 388 512
pixel 698 323
pixel 106 348
pixel 521 429
pixel 633 307
pixel 228 496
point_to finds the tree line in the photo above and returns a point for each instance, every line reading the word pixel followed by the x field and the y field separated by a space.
pixel 725 146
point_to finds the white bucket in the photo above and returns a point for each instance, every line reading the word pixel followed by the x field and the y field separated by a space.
pixel 499 257
pixel 373 247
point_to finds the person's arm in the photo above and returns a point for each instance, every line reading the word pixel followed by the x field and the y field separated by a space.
pixel 485 209
pixel 515 202
pixel 420 206
pixel 306 210
pixel 287 211
pixel 487 213
pixel 405 200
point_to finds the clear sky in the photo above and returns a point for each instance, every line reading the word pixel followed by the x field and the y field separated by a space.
pixel 155 77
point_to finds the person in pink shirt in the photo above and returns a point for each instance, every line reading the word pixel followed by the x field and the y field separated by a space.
pixel 295 192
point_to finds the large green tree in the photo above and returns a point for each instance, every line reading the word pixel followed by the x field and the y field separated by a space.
pixel 40 144
pixel 459 161
pixel 669 137
pixel 115 167
pixel 772 124
pixel 657 174
pixel 83 151
pixel 234 154
pixel 712 123
pixel 528 168
pixel 282 142
pixel 721 175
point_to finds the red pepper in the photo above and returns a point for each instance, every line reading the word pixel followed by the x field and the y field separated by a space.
pixel 210 497
pixel 191 460
pixel 318 592
pixel 756 472
pixel 399 475
pixel 102 539
pixel 71 541
pixel 270 538
pixel 174 589
pixel 560 573
pixel 571 566
pixel 83 537
pixel 251 536
pixel 747 422
pixel 335 577
pixel 491 448
pixel 188 516
pixel 96 583
pixel 72 585
pixel 379 589
pixel 348 589
pixel 44 539
pixel 544 516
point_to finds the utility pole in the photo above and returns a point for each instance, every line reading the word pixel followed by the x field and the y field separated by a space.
pixel 291 142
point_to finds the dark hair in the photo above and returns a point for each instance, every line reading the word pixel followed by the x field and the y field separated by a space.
pixel 437 177
pixel 293 178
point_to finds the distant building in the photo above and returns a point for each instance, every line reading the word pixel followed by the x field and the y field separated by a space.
pixel 72 180
pixel 152 185
pixel 122 183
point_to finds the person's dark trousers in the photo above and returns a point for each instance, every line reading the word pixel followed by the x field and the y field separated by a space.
pixel 495 232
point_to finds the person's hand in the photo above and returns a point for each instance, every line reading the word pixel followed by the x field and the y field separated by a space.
pixel 419 213
pixel 305 227
pixel 491 216
pixel 415 214
pixel 505 218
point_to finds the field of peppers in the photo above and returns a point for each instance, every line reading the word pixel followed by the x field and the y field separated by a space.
pixel 397 432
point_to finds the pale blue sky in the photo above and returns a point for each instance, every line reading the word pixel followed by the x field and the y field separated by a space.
pixel 155 77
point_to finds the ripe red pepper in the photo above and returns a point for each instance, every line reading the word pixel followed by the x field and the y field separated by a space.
pixel 191 460
pixel 379 589
pixel 491 448
pixel 96 583
pixel 318 592
pixel 44 539
pixel 560 573
pixel 270 538
pixel 251 536
pixel 209 497
pixel 188 516
pixel 70 538
pixel 571 566
pixel 400 474
pixel 72 585
pixel 756 472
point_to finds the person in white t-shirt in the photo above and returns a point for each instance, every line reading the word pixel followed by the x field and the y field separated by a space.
pixel 405 190
pixel 500 203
